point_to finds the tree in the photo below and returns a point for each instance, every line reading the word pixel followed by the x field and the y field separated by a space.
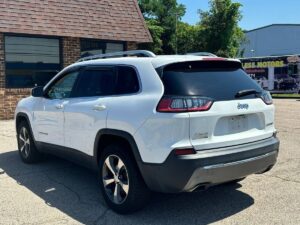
pixel 164 14
pixel 169 14
pixel 187 38
pixel 217 32
pixel 156 32
pixel 220 32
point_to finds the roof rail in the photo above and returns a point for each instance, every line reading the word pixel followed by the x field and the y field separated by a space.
pixel 138 53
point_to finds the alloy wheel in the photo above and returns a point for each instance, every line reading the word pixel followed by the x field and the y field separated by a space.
pixel 24 142
pixel 115 179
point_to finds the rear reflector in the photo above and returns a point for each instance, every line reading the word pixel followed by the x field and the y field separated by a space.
pixel 187 151
pixel 184 104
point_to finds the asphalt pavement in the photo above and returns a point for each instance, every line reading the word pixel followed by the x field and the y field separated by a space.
pixel 58 192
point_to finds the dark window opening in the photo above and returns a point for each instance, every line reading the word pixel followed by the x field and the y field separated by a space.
pixel 216 80
pixel 127 81
pixel 96 82
pixel 107 81
pixel 31 61
pixel 91 47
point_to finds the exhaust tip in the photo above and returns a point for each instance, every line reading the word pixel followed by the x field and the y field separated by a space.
pixel 201 187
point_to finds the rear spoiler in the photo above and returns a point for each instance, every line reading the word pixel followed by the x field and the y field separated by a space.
pixel 213 63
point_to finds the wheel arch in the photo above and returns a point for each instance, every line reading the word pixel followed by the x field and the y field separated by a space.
pixel 23 117
pixel 123 136
pixel 107 136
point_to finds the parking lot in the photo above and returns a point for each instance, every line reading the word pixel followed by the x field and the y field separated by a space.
pixel 59 192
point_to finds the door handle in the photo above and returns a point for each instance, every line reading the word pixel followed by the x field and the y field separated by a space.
pixel 99 107
pixel 59 106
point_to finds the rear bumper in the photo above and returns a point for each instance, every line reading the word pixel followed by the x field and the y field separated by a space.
pixel 209 167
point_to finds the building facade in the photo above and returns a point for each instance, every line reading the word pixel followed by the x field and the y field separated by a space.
pixel 272 57
pixel 278 74
pixel 39 38
pixel 272 40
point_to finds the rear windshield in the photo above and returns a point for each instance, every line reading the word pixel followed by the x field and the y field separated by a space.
pixel 219 80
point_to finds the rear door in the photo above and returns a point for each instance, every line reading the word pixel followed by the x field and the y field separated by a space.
pixel 232 119
pixel 86 113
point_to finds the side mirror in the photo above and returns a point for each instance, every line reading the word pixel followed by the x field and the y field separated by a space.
pixel 37 91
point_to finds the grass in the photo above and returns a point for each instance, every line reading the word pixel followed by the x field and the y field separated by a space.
pixel 286 95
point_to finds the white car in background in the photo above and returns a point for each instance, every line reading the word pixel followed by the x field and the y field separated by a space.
pixel 151 123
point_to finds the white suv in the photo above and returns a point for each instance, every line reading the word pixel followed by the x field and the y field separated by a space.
pixel 161 123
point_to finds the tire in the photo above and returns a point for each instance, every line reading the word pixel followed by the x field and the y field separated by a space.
pixel 27 149
pixel 121 183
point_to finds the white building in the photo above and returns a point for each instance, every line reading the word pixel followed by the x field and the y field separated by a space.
pixel 272 40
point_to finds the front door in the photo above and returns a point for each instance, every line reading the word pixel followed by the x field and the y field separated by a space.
pixel 49 113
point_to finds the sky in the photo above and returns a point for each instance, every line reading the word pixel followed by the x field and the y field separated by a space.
pixel 256 13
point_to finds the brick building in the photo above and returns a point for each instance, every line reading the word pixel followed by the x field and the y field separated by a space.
pixel 40 37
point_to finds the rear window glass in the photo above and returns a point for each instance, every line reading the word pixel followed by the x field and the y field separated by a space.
pixel 217 80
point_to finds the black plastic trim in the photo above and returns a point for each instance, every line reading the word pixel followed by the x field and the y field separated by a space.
pixel 250 150
pixel 24 115
pixel 128 137
pixel 69 154
pixel 176 173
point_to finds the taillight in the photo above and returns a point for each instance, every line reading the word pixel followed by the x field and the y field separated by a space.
pixel 184 104
pixel 266 97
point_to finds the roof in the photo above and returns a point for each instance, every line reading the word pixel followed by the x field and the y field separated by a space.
pixel 271 25
pixel 142 62
pixel 156 61
pixel 119 20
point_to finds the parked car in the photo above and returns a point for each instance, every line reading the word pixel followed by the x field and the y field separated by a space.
pixel 151 123
pixel 286 84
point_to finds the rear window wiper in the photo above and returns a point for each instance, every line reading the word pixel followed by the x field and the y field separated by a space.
pixel 242 93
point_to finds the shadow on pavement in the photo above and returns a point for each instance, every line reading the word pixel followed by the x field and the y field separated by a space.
pixel 74 191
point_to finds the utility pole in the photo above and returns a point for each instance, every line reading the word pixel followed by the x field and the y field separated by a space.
pixel 176 17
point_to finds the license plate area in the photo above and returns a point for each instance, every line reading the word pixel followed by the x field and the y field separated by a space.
pixel 237 124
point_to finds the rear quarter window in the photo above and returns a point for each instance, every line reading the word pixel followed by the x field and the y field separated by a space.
pixel 127 80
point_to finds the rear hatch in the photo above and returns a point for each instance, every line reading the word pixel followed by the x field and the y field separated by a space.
pixel 226 107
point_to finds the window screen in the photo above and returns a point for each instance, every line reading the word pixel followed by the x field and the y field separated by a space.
pixel 31 61
pixel 114 47
pixel 91 47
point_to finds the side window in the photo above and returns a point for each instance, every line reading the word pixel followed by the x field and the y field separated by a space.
pixel 63 87
pixel 96 82
pixel 107 81
pixel 127 81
